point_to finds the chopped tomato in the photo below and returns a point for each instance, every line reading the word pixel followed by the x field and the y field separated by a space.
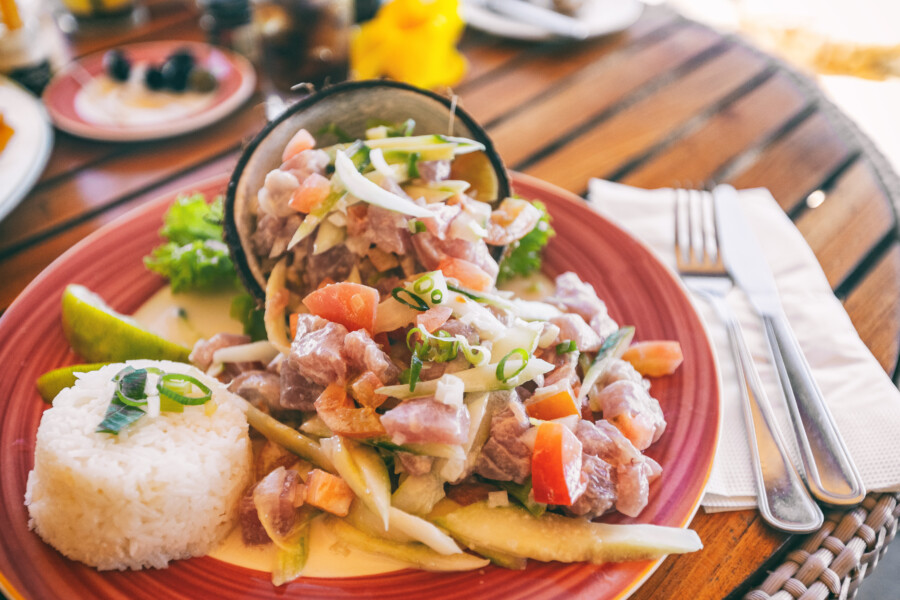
pixel 353 305
pixel 302 140
pixel 329 492
pixel 654 358
pixel 433 318
pixel 363 390
pixel 311 193
pixel 467 273
pixel 342 417
pixel 549 404
pixel 292 319
pixel 556 465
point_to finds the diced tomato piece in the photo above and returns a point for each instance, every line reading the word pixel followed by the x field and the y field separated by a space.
pixel 353 305
pixel 556 465
pixel 302 140
pixel 363 390
pixel 654 358
pixel 292 320
pixel 467 273
pixel 329 492
pixel 433 318
pixel 310 194
pixel 342 417
pixel 549 404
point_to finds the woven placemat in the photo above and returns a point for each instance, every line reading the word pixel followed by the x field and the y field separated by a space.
pixel 832 562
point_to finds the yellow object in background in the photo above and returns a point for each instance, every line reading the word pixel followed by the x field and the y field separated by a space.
pixel 413 41
pixel 6 132
pixel 97 8
pixel 10 17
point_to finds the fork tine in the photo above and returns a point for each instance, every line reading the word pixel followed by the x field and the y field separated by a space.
pixel 717 239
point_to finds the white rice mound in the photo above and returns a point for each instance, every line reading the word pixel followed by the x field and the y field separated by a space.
pixel 165 488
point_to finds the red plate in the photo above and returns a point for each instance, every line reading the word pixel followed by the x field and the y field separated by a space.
pixel 636 287
pixel 235 74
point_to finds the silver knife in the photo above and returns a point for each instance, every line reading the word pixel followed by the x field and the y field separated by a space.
pixel 830 473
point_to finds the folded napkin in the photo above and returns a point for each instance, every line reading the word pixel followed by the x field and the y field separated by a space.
pixel 863 400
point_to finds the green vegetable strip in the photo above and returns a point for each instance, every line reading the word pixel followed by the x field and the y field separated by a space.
pixel 293 440
pixel 612 347
pixel 524 256
pixel 313 219
pixel 501 366
pixel 168 386
pixel 521 493
pixel 415 302
pixel 118 416
pixel 565 347
pixel 130 386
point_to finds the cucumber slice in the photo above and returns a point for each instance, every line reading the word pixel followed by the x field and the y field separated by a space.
pixel 418 493
pixel 419 555
pixel 476 379
pixel 422 531
pixel 612 348
pixel 364 471
pixel 368 522
pixel 514 531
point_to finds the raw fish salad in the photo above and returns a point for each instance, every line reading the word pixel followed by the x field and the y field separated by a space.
pixel 400 396
pixel 420 386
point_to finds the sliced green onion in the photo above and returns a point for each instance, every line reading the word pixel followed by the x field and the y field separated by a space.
pixel 565 347
pixel 501 366
pixel 118 416
pixel 171 384
pixel 465 293
pixel 341 135
pixel 412 164
pixel 414 302
pixel 416 226
pixel 415 367
pixel 130 384
pixel 424 284
pixel 437 296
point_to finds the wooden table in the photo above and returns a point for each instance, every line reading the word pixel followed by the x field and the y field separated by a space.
pixel 669 102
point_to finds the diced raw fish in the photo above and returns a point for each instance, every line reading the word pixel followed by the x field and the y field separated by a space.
pixel 632 488
pixel 414 464
pixel 276 193
pixel 600 488
pixel 316 350
pixel 427 421
pixel 363 354
pixel 574 295
pixel 202 354
pixel 628 406
pixel 573 327
pixel 505 457
pixel 262 389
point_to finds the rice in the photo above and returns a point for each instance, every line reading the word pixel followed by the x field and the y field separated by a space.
pixel 165 488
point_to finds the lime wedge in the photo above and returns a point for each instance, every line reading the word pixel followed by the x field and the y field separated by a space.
pixel 97 333
pixel 53 382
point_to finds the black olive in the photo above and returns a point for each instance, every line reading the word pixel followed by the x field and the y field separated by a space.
pixel 183 57
pixel 154 78
pixel 117 65
pixel 175 74
pixel 201 80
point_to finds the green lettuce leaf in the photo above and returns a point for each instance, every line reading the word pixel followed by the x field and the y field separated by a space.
pixel 523 257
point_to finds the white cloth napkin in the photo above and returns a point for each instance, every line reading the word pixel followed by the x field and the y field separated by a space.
pixel 863 400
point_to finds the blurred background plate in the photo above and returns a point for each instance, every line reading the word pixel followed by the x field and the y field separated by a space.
pixel 236 82
pixel 25 156
pixel 601 17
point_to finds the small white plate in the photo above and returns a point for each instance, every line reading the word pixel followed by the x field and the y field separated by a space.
pixel 602 17
pixel 25 156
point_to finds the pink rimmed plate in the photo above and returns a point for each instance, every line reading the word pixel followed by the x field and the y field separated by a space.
pixel 236 82
pixel 637 288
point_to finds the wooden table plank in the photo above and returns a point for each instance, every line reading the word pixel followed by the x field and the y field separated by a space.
pixel 129 171
pixel 648 122
pixel 847 226
pixel 735 130
pixel 540 69
pixel 18 270
pixel 874 308
pixel 556 115
pixel 797 164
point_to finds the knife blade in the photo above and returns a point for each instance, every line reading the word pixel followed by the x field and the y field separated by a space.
pixel 831 475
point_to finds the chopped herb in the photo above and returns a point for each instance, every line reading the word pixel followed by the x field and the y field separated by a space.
pixel 565 347
pixel 118 417
pixel 244 310
pixel 393 129
pixel 415 367
pixel 177 387
pixel 523 257
pixel 416 226
pixel 465 293
pixel 130 385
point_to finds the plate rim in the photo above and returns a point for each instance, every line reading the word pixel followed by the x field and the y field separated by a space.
pixel 27 183
pixel 191 123
pixel 221 180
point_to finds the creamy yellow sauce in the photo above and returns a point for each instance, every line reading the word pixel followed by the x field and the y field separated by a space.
pixel 187 317
pixel 535 287
pixel 104 101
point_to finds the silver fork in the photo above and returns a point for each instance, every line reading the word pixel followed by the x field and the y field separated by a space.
pixel 783 500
